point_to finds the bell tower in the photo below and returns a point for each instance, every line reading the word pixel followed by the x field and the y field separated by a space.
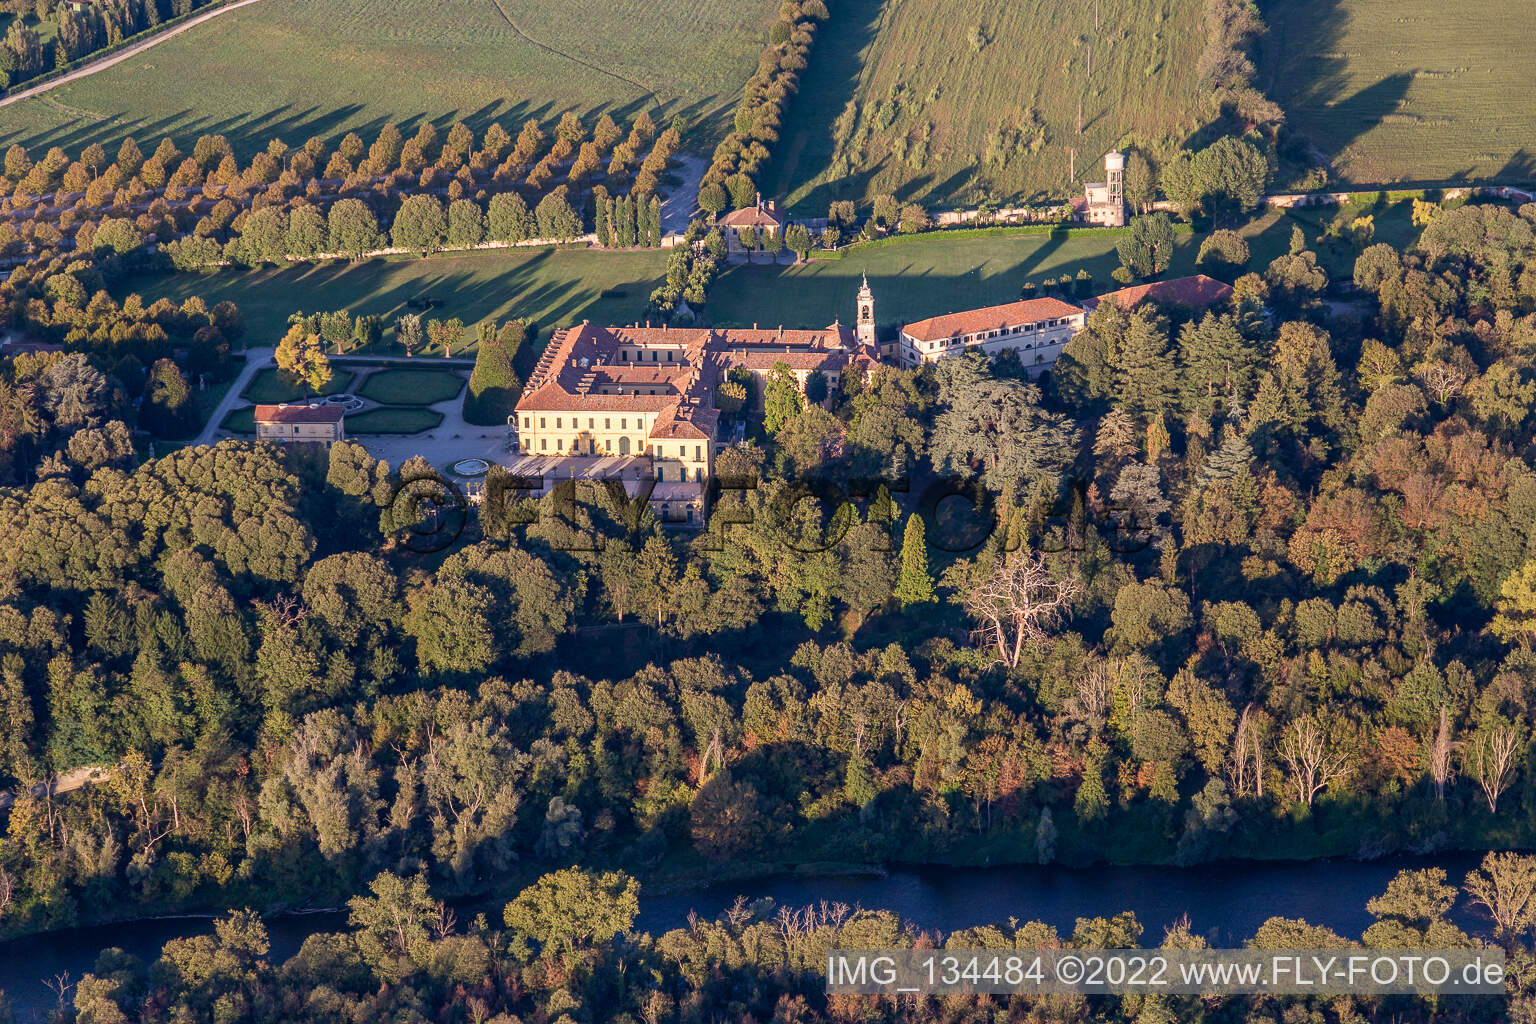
pixel 866 320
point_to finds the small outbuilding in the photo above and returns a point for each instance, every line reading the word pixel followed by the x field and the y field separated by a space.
pixel 314 424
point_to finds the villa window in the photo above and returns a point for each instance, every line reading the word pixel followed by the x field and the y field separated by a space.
pixel 607 423
pixel 527 422
pixel 542 422
pixel 698 453
pixel 543 444
pixel 557 423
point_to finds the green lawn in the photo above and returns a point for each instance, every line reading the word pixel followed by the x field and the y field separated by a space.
pixel 924 277
pixel 548 286
pixel 268 387
pixel 411 387
pixel 1269 235
pixel 927 105
pixel 296 68
pixel 384 420
pixel 240 421
pixel 1407 90
pixel 393 420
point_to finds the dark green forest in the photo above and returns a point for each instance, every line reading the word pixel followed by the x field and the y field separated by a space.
pixel 1257 583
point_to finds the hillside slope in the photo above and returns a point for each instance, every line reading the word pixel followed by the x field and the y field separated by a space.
pixel 950 100
pixel 1407 90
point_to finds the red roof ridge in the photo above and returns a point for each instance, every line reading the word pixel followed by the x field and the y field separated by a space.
pixel 285 413
pixel 972 320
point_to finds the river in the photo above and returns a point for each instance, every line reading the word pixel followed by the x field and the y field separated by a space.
pixel 1225 902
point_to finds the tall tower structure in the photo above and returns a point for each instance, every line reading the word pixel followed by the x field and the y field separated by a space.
pixel 1114 179
pixel 865 328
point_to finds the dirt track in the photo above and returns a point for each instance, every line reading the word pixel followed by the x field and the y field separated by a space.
pixel 69 781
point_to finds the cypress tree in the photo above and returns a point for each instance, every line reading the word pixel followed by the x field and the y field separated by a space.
pixel 626 223
pixel 654 222
pixel 601 216
pixel 492 385
pixel 915 585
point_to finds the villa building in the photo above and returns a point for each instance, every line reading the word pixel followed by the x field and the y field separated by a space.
pixel 636 403
pixel 1035 328
pixel 313 424
pixel 762 217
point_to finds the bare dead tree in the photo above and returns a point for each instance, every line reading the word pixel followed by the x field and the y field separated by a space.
pixel 1312 766
pixel 284 609
pixel 1245 765
pixel 1441 379
pixel 739 913
pixel 60 985
pixel 1089 701
pixel 1017 605
pixel 7 891
pixel 1441 766
pixel 1489 757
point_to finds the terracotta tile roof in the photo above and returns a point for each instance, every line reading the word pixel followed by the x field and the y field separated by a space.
pixel 299 414
pixel 554 398
pixel 753 217
pixel 1195 292
pixel 971 321
pixel 581 363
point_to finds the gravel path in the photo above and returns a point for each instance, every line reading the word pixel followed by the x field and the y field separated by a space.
pixel 255 359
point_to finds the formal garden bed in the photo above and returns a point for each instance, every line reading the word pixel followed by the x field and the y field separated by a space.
pixel 411 387
pixel 267 387
pixel 393 420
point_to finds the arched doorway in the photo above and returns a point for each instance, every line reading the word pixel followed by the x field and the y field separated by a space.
pixel 624 446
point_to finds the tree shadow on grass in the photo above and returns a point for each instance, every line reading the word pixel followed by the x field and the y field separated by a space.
pixel 829 83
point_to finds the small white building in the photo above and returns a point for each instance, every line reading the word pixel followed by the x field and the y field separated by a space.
pixel 1036 328
pixel 1106 199
pixel 315 424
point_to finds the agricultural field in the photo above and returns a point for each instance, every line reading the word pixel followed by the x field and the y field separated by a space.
pixel 1407 90
pixel 952 101
pixel 549 287
pixel 297 68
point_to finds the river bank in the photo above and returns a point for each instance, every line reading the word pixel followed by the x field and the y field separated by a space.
pixel 1224 901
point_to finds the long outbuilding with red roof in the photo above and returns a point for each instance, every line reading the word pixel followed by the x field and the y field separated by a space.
pixel 1035 328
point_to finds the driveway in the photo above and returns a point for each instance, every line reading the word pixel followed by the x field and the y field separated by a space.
pixel 255 359
pixel 681 204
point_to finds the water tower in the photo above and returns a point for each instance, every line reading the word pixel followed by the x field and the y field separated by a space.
pixel 1114 179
